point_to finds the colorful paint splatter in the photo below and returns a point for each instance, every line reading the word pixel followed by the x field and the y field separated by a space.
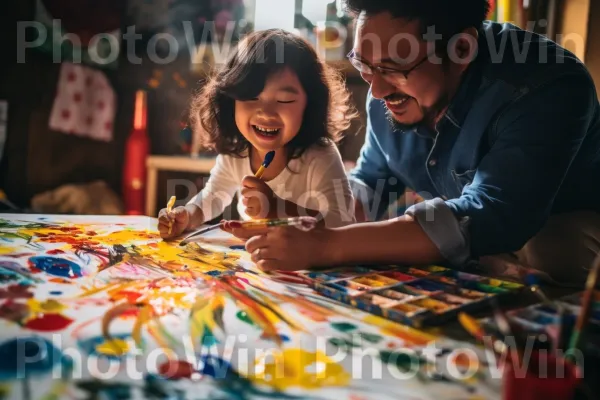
pixel 101 307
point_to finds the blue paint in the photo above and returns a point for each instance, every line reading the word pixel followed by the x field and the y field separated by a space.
pixel 216 367
pixel 215 273
pixel 26 357
pixel 56 266
pixel 238 247
pixel 428 286
pixel 56 293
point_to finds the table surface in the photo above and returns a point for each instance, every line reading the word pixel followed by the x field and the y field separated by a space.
pixel 118 310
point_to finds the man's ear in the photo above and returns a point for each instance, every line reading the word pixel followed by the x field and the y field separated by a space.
pixel 464 47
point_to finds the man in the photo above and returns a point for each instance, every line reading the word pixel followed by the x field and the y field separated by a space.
pixel 498 129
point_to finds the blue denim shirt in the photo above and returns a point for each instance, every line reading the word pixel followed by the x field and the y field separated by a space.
pixel 519 142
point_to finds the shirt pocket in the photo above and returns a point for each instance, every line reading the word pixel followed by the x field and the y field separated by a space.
pixel 463 179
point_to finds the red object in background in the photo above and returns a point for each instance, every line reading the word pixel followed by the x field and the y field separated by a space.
pixel 87 18
pixel 136 152
pixel 543 377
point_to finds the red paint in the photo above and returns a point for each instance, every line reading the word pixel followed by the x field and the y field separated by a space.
pixel 16 292
pixel 234 224
pixel 91 233
pixel 129 295
pixel 131 313
pixel 14 312
pixel 67 229
pixel 19 255
pixel 154 245
pixel 55 251
pixel 48 322
pixel 59 280
pixel 175 369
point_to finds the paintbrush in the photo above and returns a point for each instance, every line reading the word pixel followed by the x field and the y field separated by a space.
pixel 507 330
pixel 170 205
pixel 476 330
pixel 586 305
pixel 252 224
pixel 561 313
pixel 266 162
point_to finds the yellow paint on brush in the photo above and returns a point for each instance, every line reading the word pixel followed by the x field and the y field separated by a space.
pixel 113 347
pixel 291 368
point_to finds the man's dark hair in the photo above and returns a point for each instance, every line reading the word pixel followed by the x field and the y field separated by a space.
pixel 449 17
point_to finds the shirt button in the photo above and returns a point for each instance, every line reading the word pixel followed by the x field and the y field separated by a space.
pixel 432 163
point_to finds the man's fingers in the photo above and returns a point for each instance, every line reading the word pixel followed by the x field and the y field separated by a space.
pixel 257 241
pixel 263 253
pixel 269 265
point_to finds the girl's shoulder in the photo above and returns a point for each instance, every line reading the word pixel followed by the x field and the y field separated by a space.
pixel 322 153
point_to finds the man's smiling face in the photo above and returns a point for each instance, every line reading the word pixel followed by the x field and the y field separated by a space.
pixel 413 81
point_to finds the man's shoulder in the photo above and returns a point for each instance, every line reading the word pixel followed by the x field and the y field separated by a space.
pixel 522 57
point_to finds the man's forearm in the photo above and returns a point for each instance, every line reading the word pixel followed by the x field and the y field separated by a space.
pixel 401 240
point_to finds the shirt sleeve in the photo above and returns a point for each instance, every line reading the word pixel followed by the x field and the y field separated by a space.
pixel 219 190
pixel 330 188
pixel 371 180
pixel 514 187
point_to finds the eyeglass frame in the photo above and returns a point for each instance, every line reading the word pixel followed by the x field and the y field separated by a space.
pixel 383 71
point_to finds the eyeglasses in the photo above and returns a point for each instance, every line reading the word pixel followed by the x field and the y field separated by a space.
pixel 392 75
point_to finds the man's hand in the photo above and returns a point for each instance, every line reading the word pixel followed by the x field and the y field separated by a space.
pixel 179 217
pixel 258 198
pixel 287 248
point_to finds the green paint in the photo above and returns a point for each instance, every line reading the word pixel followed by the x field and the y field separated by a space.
pixel 342 343
pixel 343 326
pixel 10 235
pixel 370 337
pixel 403 361
pixel 209 339
pixel 243 316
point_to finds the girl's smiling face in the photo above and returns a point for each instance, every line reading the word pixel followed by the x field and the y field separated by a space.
pixel 273 119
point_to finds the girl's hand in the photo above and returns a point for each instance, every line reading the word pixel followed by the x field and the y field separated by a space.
pixel 259 199
pixel 179 217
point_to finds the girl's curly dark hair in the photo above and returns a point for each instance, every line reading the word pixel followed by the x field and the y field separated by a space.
pixel 328 112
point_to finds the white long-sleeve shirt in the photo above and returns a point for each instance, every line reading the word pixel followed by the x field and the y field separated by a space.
pixel 317 181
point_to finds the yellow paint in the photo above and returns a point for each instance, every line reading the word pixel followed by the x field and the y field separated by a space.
pixel 113 347
pixel 431 304
pixel 41 307
pixel 7 250
pixel 142 319
pixel 289 368
pixel 408 334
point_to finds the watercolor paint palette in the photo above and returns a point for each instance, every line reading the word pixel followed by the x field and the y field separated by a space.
pixel 416 296
pixel 543 318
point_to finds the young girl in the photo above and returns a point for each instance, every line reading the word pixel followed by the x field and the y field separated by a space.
pixel 273 94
